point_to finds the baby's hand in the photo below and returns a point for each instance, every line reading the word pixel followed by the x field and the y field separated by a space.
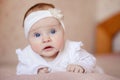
pixel 75 68
pixel 43 70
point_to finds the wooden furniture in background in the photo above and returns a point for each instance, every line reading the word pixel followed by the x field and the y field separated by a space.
pixel 105 34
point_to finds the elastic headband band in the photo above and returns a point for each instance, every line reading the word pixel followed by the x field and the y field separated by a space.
pixel 33 17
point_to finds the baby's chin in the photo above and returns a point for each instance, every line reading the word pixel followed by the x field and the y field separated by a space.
pixel 50 56
pixel 50 53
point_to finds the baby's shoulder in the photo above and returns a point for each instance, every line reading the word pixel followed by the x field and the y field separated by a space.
pixel 75 48
pixel 73 44
pixel 23 52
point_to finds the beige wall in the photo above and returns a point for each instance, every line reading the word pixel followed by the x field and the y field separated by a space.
pixel 79 21
pixel 106 8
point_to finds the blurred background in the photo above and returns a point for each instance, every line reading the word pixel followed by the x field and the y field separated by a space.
pixel 94 22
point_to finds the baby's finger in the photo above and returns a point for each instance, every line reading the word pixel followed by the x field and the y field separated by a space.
pixel 77 69
pixel 70 68
pixel 81 70
pixel 45 70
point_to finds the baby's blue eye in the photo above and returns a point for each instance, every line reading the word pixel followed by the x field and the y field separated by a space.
pixel 37 34
pixel 53 31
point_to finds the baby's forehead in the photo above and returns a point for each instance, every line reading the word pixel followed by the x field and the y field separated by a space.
pixel 47 27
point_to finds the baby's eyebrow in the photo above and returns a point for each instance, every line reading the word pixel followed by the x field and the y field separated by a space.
pixel 36 29
pixel 56 24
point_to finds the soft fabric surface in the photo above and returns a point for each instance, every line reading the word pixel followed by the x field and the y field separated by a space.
pixel 110 64
pixel 59 76
pixel 9 74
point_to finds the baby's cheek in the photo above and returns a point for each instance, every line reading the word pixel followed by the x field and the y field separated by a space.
pixel 35 44
pixel 60 44
pixel 36 48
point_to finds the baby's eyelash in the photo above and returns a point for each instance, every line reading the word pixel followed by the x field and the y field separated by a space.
pixel 37 34
pixel 52 31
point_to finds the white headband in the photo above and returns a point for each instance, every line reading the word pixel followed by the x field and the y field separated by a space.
pixel 35 16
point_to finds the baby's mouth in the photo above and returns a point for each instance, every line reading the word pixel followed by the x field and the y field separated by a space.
pixel 48 48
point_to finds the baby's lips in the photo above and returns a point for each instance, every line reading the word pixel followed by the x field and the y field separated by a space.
pixel 48 47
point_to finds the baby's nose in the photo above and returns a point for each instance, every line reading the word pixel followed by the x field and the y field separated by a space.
pixel 46 39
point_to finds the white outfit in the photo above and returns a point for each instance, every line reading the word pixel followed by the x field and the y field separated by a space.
pixel 30 62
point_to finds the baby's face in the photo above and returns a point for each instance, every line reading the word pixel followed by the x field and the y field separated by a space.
pixel 46 37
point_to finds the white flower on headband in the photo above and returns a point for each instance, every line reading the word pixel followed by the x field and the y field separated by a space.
pixel 56 13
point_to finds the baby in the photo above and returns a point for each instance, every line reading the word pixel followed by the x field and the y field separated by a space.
pixel 48 50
